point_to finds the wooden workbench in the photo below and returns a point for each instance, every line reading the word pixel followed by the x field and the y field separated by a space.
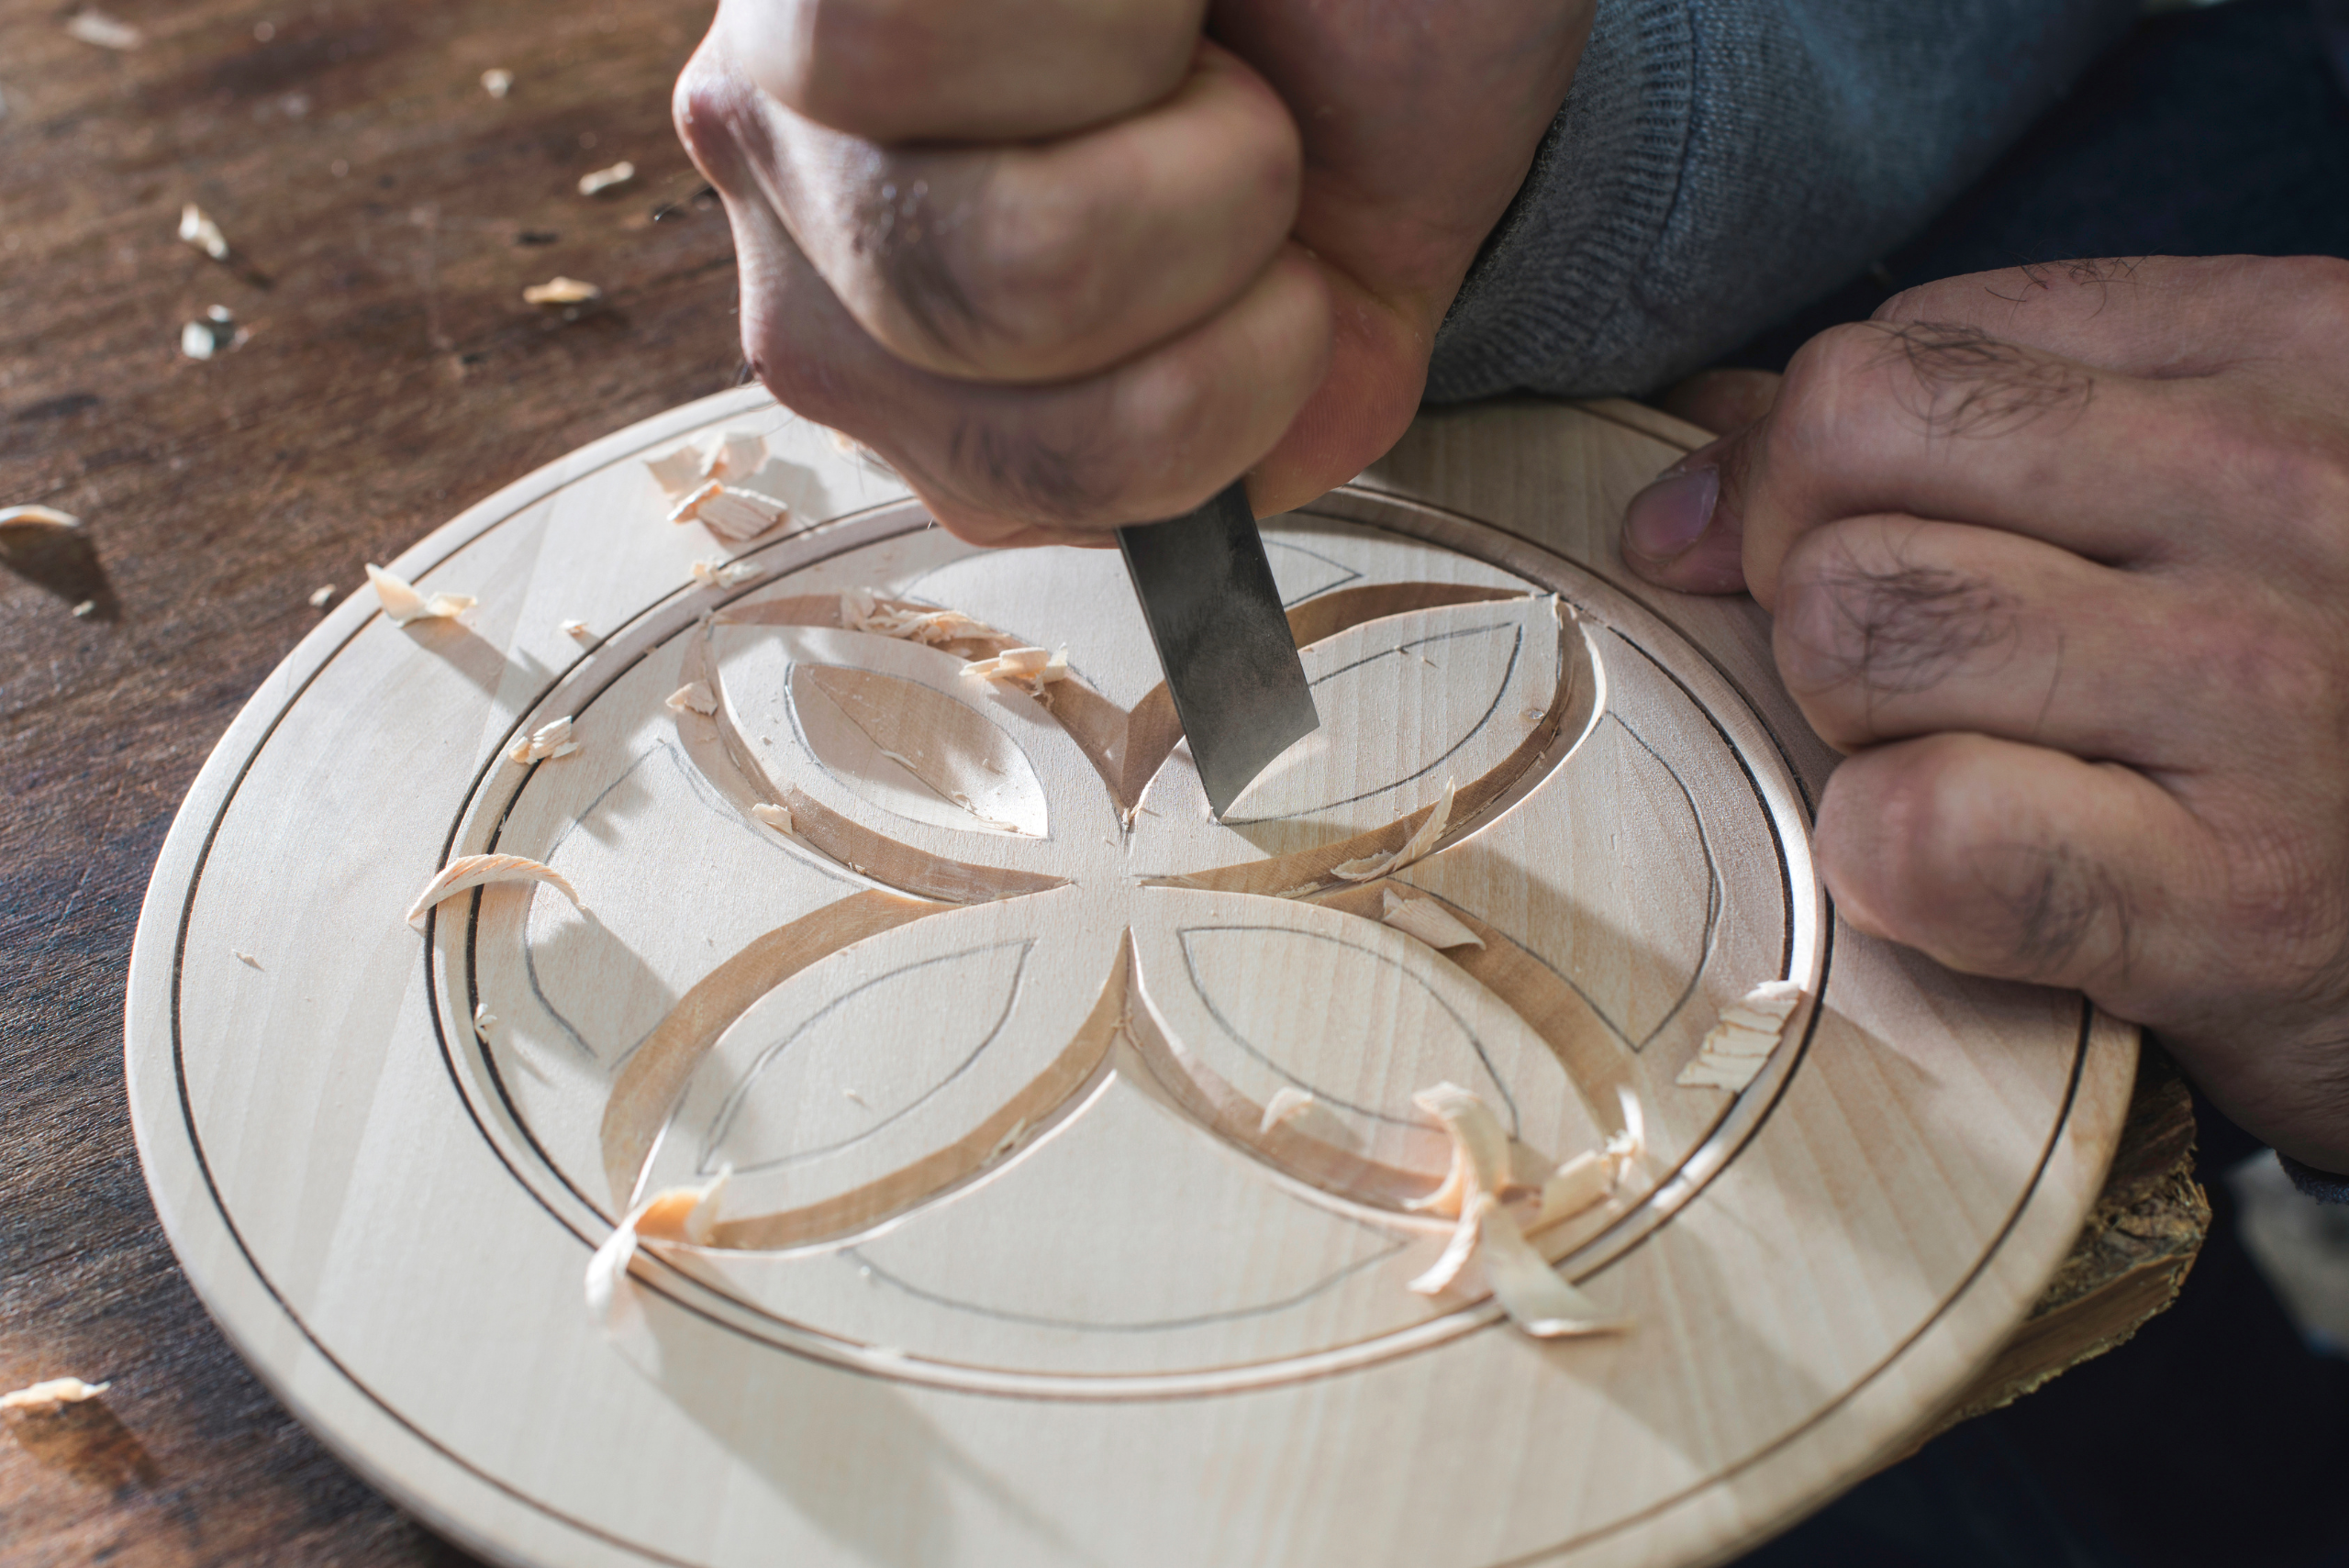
pixel 386 213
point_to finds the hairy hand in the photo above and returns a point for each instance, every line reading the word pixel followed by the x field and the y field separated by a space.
pixel 1070 264
pixel 2060 556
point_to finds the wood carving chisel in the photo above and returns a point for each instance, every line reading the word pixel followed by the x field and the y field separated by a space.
pixel 1223 638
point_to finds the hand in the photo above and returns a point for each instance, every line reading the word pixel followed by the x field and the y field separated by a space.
pixel 1068 264
pixel 2061 557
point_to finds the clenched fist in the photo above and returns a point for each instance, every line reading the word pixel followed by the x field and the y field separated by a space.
pixel 2060 557
pixel 1070 264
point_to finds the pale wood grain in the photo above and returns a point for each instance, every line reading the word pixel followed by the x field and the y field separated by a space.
pixel 995 1079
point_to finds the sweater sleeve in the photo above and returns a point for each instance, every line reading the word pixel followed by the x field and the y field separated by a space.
pixel 1720 162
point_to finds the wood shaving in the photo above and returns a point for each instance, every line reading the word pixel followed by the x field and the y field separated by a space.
pixel 861 612
pixel 1370 868
pixel 402 604
pixel 468 872
pixel 484 1021
pixel 1528 1289
pixel 1285 1106
pixel 693 695
pixel 775 816
pixel 1015 664
pixel 1427 919
pixel 85 609
pixel 733 513
pixel 244 958
pixel 602 180
pixel 496 83
pixel 320 595
pixel 561 291
pixel 48 1397
pixel 1592 1176
pixel 197 229
pixel 722 455
pixel 1748 1031
pixel 674 1214
pixel 37 518
pixel 727 573
pixel 577 628
pixel 95 27
pixel 550 739
pixel 216 333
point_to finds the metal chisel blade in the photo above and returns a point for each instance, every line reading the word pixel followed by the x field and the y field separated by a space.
pixel 1223 640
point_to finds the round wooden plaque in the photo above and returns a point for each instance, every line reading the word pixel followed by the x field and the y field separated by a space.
pixel 1071 1131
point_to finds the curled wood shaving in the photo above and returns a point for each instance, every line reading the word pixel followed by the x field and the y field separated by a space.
pixel 550 739
pixel 320 595
pixel 722 455
pixel 859 611
pixel 477 871
pixel 1285 1106
pixel 199 230
pixel 693 695
pixel 735 513
pixel 1531 1292
pixel 602 180
pixel 1370 868
pixel 674 1214
pixel 497 81
pixel 577 628
pixel 727 573
pixel 560 290
pixel 775 816
pixel 484 1021
pixel 37 518
pixel 1592 1176
pixel 48 1396
pixel 402 604
pixel 1427 919
pixel 1748 1031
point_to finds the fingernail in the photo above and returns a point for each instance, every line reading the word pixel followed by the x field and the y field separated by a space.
pixel 1671 515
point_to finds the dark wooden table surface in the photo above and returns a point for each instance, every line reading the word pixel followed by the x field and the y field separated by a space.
pixel 386 213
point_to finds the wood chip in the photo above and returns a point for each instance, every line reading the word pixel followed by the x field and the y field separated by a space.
pixel 1286 1105
pixel 720 455
pixel 320 595
pixel 775 816
pixel 602 180
pixel 729 511
pixel 1419 846
pixel 727 573
pixel 1528 1289
pixel 248 960
pixel 200 231
pixel 93 26
pixel 550 739
pixel 37 518
pixel 859 611
pixel 1013 664
pixel 85 609
pixel 45 1398
pixel 688 1215
pixel 561 291
pixel 1427 919
pixel 497 81
pixel 402 604
pixel 1592 1177
pixel 484 1021
pixel 693 695
pixel 577 628
pixel 1748 1031
pixel 467 872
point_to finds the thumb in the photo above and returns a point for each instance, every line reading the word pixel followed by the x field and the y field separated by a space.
pixel 1677 533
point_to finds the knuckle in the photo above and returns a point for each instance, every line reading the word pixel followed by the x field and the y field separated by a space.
pixel 859 66
pixel 1868 622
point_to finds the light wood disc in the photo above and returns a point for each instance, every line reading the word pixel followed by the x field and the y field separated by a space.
pixel 1019 1261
